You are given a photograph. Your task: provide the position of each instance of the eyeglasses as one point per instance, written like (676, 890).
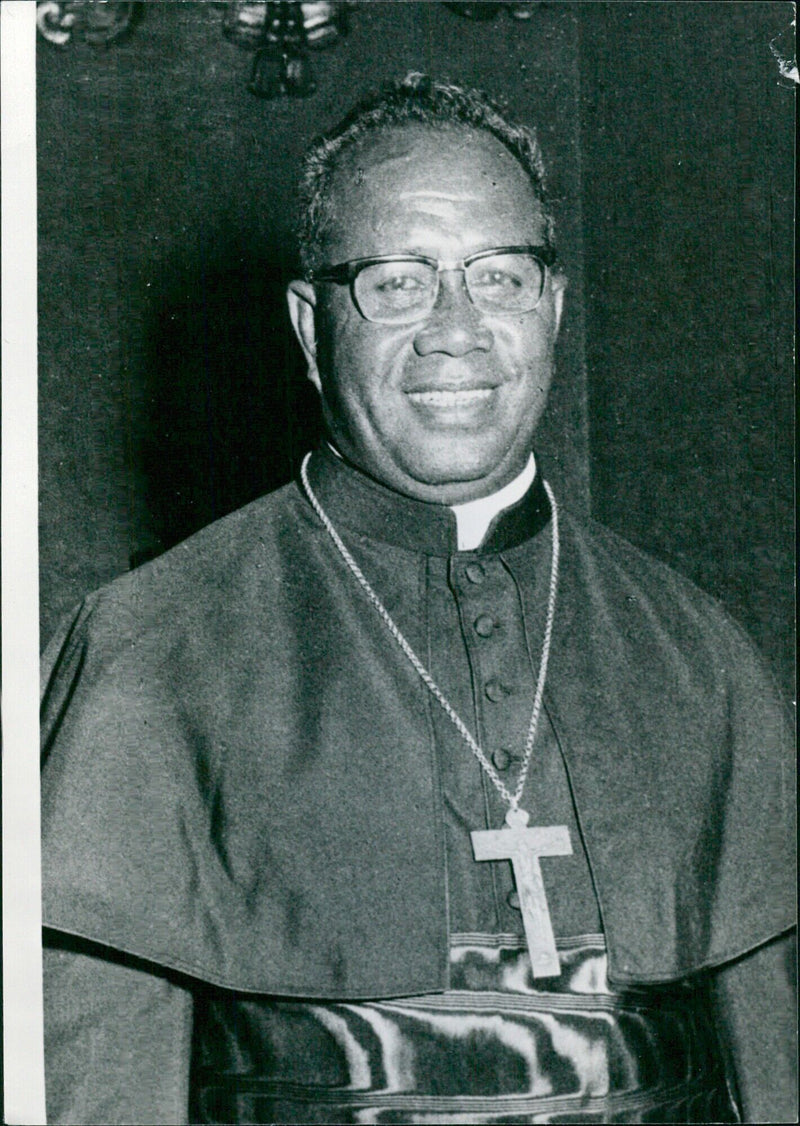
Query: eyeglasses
(399, 289)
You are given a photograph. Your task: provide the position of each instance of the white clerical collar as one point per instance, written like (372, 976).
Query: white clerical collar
(473, 517)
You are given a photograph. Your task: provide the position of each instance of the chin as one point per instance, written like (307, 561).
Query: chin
(447, 475)
(453, 470)
(455, 458)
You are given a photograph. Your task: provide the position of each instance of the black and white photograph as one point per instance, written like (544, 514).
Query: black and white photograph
(415, 562)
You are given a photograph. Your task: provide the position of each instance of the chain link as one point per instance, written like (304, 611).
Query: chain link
(513, 800)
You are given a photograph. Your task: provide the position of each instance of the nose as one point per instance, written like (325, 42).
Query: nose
(455, 326)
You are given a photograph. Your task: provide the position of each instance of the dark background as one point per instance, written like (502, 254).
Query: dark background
(171, 390)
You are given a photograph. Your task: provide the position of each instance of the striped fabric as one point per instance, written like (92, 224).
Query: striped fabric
(497, 1047)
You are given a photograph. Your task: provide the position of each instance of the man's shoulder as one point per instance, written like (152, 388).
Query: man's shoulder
(217, 566)
(620, 561)
(649, 598)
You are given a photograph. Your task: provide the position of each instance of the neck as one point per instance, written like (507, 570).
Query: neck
(514, 513)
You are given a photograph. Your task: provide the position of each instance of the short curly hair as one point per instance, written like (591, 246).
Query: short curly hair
(417, 99)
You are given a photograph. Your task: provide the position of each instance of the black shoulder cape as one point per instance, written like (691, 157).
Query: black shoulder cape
(201, 717)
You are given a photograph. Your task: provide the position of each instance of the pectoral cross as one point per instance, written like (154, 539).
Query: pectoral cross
(523, 847)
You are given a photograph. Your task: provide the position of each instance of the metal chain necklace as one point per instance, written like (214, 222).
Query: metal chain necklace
(516, 842)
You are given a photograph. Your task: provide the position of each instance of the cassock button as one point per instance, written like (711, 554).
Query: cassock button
(512, 899)
(474, 572)
(485, 625)
(502, 759)
(496, 691)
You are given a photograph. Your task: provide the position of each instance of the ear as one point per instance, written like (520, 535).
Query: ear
(559, 282)
(302, 299)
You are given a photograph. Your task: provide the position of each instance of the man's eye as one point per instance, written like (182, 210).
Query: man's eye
(400, 283)
(496, 279)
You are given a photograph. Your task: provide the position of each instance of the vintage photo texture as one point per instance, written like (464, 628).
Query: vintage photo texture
(172, 390)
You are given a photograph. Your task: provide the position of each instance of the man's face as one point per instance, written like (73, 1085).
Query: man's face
(443, 409)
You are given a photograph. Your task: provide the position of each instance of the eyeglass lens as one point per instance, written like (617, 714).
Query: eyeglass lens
(405, 291)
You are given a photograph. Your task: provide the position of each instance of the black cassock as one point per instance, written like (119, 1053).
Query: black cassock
(256, 831)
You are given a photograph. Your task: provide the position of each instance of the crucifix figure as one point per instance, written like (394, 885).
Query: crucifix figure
(523, 847)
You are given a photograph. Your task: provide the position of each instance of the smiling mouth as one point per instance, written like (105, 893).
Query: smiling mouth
(443, 397)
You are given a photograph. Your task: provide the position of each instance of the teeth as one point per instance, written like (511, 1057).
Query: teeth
(451, 398)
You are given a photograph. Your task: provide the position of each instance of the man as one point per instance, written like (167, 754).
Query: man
(398, 795)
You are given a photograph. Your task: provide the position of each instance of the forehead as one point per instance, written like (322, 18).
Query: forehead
(408, 184)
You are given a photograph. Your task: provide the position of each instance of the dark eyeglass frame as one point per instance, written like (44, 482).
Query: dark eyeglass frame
(345, 273)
